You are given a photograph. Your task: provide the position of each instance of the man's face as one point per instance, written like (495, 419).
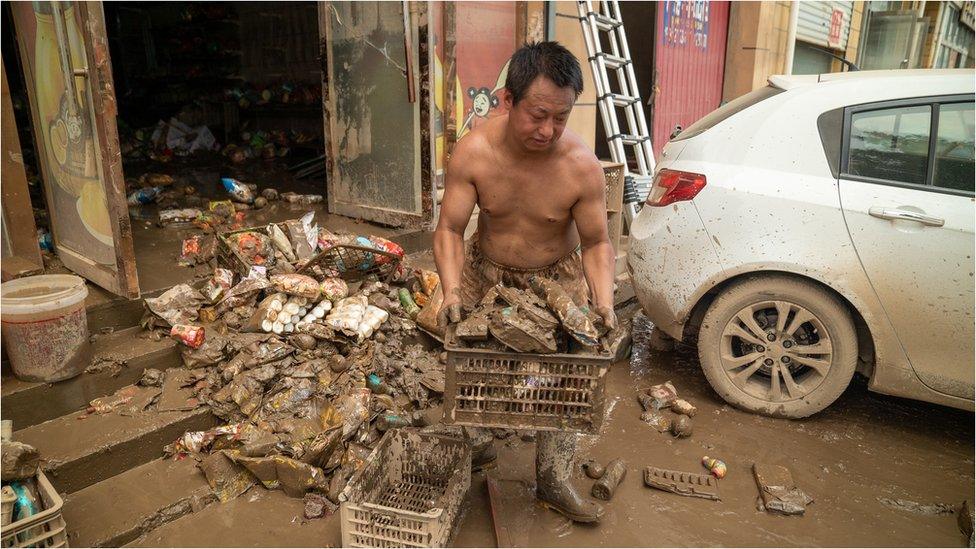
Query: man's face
(538, 120)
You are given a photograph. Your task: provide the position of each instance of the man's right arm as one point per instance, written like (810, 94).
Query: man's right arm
(460, 197)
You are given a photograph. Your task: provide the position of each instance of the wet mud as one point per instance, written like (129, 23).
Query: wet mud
(882, 471)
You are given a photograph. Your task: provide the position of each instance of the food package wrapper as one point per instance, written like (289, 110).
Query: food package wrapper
(178, 305)
(334, 289)
(277, 471)
(385, 245)
(347, 315)
(372, 319)
(280, 241)
(226, 478)
(296, 284)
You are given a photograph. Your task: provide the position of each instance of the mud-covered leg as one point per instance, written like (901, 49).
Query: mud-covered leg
(555, 457)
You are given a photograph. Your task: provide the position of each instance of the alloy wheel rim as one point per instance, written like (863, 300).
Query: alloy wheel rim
(776, 351)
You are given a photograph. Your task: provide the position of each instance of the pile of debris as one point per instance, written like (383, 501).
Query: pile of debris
(656, 400)
(306, 355)
(544, 320)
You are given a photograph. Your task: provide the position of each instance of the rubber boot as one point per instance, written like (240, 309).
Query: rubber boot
(554, 458)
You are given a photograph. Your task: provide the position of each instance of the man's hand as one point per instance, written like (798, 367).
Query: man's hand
(450, 312)
(608, 317)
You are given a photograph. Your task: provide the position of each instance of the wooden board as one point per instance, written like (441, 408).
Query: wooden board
(21, 255)
(510, 500)
(65, 55)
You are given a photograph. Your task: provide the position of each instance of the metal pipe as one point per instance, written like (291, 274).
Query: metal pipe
(791, 36)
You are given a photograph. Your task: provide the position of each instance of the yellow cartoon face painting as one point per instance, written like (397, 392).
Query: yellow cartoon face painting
(54, 50)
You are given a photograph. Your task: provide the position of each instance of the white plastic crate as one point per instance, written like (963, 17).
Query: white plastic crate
(44, 529)
(409, 492)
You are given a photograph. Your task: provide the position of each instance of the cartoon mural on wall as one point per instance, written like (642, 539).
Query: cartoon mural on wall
(63, 124)
(485, 34)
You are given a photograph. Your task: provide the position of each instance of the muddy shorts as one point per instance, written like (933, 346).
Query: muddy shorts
(480, 274)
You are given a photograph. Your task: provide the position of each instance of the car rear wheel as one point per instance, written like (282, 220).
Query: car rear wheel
(778, 346)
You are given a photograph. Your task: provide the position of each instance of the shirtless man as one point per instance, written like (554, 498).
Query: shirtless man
(541, 192)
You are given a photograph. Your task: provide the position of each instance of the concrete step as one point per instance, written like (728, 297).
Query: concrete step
(119, 509)
(77, 452)
(29, 403)
(257, 518)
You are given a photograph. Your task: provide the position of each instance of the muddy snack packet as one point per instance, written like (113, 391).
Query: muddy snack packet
(573, 319)
(521, 334)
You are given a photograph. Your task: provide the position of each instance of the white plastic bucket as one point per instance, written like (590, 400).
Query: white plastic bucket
(45, 327)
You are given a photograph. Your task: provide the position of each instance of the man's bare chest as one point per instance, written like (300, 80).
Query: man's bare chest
(533, 196)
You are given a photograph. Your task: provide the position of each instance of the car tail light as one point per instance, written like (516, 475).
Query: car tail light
(672, 186)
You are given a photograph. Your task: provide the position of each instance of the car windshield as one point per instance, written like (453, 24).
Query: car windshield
(727, 110)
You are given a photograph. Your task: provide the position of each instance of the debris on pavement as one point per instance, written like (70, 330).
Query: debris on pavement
(593, 469)
(605, 487)
(682, 483)
(716, 467)
(129, 400)
(523, 321)
(657, 420)
(307, 364)
(932, 509)
(19, 461)
(658, 398)
(777, 490)
(318, 506)
(227, 479)
(683, 407)
(681, 426)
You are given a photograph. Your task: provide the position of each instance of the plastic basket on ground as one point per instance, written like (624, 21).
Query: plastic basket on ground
(353, 263)
(43, 529)
(409, 492)
(547, 392)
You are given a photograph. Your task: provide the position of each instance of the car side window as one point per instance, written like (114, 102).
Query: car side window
(891, 144)
(955, 146)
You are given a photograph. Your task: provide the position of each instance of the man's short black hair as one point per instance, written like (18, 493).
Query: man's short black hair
(549, 59)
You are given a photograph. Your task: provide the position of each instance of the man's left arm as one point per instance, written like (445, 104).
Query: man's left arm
(590, 215)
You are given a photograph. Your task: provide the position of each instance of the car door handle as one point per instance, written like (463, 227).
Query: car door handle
(907, 215)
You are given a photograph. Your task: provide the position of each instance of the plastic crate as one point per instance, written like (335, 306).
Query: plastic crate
(552, 392)
(45, 529)
(340, 260)
(8, 498)
(409, 492)
(344, 261)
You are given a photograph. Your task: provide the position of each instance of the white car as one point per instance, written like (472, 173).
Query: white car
(814, 228)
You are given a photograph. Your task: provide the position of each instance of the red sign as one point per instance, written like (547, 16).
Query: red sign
(836, 22)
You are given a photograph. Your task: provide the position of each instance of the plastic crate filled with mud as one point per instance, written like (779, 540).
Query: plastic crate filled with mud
(409, 492)
(531, 360)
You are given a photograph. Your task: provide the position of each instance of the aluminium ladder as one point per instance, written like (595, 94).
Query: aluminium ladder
(608, 19)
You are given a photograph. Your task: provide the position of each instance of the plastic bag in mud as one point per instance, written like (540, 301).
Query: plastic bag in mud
(178, 305)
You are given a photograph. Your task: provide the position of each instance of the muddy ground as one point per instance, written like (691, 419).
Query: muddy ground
(854, 459)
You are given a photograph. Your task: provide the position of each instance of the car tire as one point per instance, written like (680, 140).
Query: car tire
(816, 377)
